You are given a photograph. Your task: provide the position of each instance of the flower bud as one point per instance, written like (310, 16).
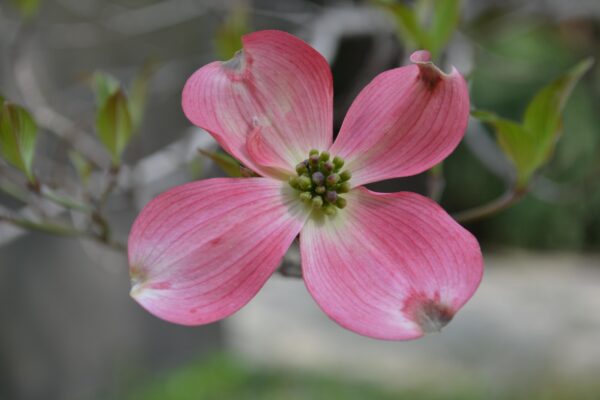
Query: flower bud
(341, 202)
(345, 175)
(293, 181)
(338, 162)
(327, 166)
(304, 183)
(301, 167)
(332, 179)
(318, 178)
(343, 187)
(317, 202)
(331, 196)
(330, 210)
(305, 196)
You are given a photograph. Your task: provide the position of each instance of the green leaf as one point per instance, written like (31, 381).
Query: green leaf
(18, 133)
(28, 8)
(228, 38)
(114, 126)
(138, 95)
(446, 14)
(515, 141)
(543, 117)
(228, 164)
(407, 22)
(530, 144)
(104, 86)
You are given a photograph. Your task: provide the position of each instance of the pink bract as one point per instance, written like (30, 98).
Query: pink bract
(389, 266)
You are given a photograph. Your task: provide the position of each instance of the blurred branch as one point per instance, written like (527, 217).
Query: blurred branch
(63, 201)
(128, 21)
(158, 16)
(327, 30)
(56, 228)
(45, 115)
(503, 202)
(47, 227)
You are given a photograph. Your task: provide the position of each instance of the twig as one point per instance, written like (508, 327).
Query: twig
(111, 184)
(60, 229)
(47, 227)
(501, 203)
(63, 201)
(45, 115)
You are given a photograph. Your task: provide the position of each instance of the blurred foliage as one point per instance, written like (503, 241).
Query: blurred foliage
(18, 135)
(225, 378)
(113, 123)
(104, 86)
(27, 8)
(82, 166)
(119, 115)
(426, 24)
(138, 94)
(515, 57)
(529, 145)
(228, 38)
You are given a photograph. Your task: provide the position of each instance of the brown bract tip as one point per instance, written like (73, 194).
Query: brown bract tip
(432, 317)
(428, 72)
(138, 278)
(236, 63)
(429, 314)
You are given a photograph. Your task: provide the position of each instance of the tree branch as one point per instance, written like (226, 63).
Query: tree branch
(509, 198)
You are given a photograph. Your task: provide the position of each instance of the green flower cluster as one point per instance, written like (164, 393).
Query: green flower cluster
(320, 181)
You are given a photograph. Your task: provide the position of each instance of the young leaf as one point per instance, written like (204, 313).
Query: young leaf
(543, 117)
(227, 163)
(515, 142)
(138, 94)
(113, 122)
(446, 14)
(104, 85)
(407, 22)
(530, 144)
(18, 133)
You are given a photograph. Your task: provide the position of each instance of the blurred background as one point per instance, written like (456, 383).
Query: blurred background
(68, 328)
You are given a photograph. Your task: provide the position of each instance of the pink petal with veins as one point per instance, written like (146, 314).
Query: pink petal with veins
(201, 251)
(390, 266)
(277, 91)
(404, 122)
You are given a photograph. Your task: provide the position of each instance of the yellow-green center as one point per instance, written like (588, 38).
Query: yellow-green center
(320, 181)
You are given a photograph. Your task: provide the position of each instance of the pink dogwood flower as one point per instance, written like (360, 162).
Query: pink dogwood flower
(385, 265)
